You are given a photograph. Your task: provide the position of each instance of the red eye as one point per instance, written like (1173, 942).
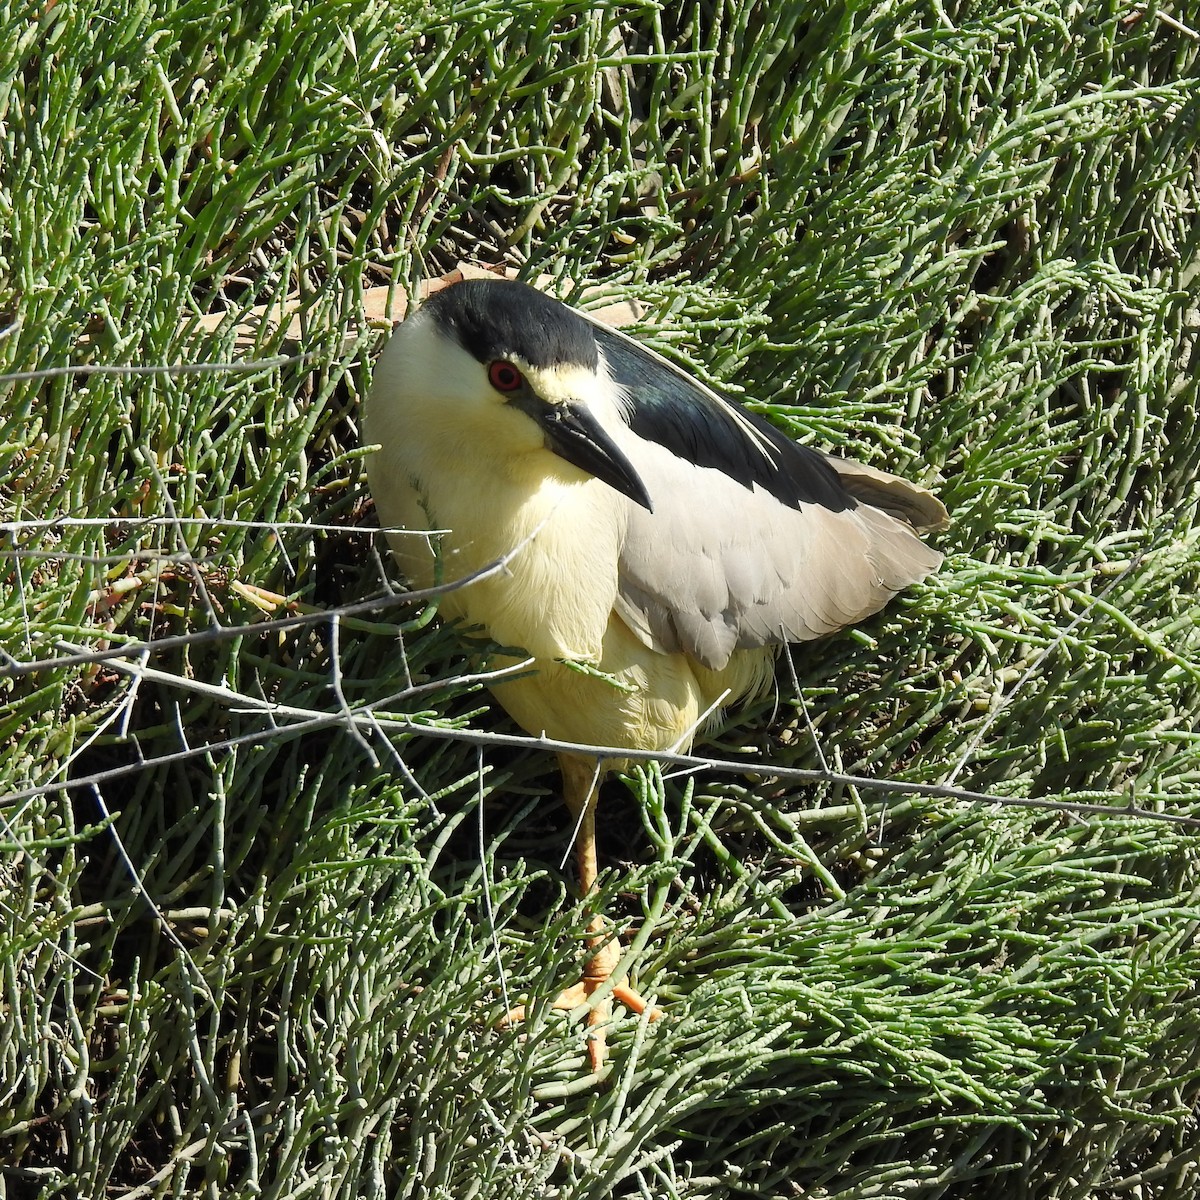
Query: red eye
(504, 377)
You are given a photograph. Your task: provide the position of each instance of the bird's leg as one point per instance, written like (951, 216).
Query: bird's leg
(581, 780)
(581, 787)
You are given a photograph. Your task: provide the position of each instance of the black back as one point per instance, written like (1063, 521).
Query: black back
(671, 409)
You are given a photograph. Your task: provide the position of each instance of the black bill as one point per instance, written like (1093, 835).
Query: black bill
(576, 436)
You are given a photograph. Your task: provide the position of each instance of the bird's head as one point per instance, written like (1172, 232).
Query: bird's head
(500, 363)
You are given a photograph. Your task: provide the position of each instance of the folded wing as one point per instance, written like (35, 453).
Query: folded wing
(754, 539)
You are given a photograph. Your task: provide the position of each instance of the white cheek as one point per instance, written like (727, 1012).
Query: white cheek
(433, 404)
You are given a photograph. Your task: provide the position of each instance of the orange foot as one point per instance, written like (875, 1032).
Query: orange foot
(595, 974)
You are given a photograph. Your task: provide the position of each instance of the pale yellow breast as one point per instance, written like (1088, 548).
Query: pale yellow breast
(562, 534)
(561, 538)
(650, 700)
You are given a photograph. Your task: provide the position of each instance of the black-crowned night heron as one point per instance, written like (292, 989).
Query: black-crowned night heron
(666, 539)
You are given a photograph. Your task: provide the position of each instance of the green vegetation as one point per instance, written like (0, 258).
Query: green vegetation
(263, 951)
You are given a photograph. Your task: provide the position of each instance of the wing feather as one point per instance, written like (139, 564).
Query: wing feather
(754, 539)
(719, 567)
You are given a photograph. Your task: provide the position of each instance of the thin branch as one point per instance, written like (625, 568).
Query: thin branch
(136, 647)
(141, 889)
(295, 721)
(238, 367)
(487, 884)
(135, 522)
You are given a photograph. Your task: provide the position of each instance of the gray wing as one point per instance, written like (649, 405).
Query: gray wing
(719, 566)
(916, 506)
(754, 539)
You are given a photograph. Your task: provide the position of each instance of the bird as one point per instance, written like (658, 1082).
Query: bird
(657, 542)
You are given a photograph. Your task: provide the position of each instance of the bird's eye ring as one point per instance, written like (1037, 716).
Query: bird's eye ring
(504, 377)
